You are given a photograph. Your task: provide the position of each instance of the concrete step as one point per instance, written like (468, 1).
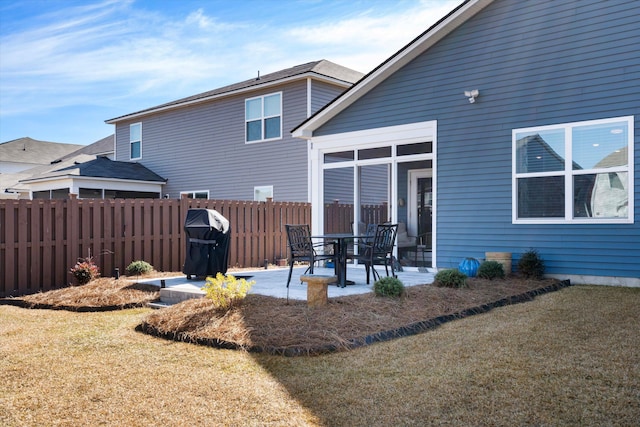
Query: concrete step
(176, 294)
(158, 305)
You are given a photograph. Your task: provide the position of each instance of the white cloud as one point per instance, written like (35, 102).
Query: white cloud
(369, 38)
(107, 52)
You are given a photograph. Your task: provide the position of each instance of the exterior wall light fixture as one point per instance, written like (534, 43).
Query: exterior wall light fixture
(472, 95)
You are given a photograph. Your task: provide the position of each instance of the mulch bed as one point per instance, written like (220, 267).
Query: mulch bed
(275, 326)
(103, 294)
(291, 328)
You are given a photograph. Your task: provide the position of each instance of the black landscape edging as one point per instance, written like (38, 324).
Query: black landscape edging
(404, 331)
(17, 302)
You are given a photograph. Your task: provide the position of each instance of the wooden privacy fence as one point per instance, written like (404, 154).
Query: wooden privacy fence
(338, 217)
(40, 240)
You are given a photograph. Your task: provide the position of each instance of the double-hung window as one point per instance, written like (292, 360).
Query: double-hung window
(263, 117)
(576, 172)
(202, 194)
(135, 141)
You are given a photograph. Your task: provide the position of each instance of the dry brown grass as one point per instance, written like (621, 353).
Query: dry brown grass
(566, 358)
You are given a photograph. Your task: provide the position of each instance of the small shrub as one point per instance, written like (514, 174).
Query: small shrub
(531, 265)
(226, 291)
(136, 268)
(85, 270)
(388, 287)
(491, 270)
(450, 279)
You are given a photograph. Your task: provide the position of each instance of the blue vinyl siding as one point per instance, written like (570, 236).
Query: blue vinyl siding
(535, 63)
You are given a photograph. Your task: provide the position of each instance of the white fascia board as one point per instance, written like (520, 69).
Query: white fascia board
(404, 134)
(122, 183)
(51, 184)
(51, 177)
(244, 90)
(393, 64)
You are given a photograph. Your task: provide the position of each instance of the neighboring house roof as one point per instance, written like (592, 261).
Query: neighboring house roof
(322, 70)
(100, 167)
(102, 147)
(618, 157)
(415, 48)
(27, 150)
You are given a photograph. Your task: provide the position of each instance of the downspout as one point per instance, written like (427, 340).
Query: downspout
(309, 144)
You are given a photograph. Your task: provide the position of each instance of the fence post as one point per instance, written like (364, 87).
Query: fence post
(269, 235)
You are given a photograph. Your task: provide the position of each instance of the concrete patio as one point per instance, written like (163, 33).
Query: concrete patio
(273, 282)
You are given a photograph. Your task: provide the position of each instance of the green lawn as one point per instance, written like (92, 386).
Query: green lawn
(567, 358)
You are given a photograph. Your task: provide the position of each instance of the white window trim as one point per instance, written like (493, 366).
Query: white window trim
(193, 193)
(262, 118)
(265, 187)
(568, 174)
(131, 142)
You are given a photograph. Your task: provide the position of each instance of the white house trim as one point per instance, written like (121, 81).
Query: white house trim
(74, 183)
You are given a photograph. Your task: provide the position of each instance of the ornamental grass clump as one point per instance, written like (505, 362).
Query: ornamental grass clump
(137, 268)
(531, 265)
(226, 291)
(491, 270)
(450, 279)
(388, 287)
(85, 270)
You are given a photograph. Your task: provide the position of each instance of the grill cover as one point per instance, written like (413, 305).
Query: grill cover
(207, 235)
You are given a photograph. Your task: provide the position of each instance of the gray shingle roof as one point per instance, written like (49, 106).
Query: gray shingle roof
(100, 167)
(322, 68)
(27, 150)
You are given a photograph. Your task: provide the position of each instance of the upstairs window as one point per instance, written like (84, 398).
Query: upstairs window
(135, 141)
(576, 172)
(263, 117)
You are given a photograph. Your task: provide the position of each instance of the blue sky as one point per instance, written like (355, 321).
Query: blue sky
(67, 66)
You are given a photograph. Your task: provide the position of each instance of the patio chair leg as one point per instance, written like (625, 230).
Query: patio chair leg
(376, 275)
(290, 273)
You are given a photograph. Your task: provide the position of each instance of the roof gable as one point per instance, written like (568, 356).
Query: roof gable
(462, 13)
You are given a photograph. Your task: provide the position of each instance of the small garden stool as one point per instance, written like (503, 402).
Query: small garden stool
(317, 284)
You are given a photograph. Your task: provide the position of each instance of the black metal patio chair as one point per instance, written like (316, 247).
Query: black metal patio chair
(378, 250)
(302, 249)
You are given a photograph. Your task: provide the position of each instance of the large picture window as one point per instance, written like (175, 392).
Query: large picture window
(135, 141)
(577, 172)
(263, 117)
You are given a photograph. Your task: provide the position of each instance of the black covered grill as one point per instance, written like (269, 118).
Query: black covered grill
(207, 235)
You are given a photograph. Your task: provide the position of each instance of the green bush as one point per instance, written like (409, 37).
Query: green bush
(85, 270)
(491, 270)
(450, 279)
(531, 265)
(136, 268)
(388, 287)
(226, 291)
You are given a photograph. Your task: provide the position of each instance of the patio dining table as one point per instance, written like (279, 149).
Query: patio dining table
(341, 243)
